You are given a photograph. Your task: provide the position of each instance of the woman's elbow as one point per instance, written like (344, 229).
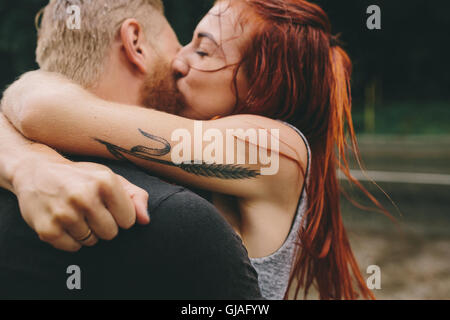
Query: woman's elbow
(20, 103)
(33, 115)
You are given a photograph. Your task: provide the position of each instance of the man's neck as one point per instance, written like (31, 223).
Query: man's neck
(119, 83)
(119, 91)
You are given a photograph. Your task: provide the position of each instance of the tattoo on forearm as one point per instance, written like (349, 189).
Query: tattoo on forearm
(221, 171)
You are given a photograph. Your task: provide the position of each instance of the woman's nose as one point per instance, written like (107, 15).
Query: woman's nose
(180, 68)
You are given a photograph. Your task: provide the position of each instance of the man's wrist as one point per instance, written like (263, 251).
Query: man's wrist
(19, 169)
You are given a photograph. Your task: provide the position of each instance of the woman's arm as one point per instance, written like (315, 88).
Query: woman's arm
(61, 114)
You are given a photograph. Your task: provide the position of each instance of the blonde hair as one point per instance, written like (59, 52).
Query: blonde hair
(80, 54)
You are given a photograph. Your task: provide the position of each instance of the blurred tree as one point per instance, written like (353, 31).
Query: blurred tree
(17, 38)
(184, 15)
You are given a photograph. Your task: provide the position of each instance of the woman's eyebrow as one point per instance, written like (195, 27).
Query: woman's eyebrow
(207, 35)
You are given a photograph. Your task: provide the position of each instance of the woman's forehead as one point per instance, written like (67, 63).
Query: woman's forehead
(222, 21)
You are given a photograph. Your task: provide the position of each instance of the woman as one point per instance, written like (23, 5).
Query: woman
(260, 62)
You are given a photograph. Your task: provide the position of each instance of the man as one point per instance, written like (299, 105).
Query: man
(122, 53)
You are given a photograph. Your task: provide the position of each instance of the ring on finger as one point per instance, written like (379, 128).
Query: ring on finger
(86, 237)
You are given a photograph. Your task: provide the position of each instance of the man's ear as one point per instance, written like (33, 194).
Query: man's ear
(134, 44)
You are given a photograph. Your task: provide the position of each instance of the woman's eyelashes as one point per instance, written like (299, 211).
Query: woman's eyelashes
(201, 53)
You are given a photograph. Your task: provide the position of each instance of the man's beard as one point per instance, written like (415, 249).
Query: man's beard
(160, 91)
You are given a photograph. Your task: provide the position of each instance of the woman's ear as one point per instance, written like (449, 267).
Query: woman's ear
(134, 44)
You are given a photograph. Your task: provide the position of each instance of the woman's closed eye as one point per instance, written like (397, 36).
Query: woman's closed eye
(202, 53)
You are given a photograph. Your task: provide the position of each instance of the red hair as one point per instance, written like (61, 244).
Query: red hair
(297, 73)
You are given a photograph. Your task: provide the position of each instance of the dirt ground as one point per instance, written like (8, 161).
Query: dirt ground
(412, 266)
(414, 259)
(414, 254)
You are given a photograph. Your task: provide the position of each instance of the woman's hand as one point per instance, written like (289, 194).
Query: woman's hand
(66, 202)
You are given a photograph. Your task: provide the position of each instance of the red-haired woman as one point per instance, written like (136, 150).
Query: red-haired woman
(270, 67)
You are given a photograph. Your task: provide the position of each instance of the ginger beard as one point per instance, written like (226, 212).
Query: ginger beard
(159, 90)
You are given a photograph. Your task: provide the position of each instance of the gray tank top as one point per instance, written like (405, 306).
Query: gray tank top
(274, 270)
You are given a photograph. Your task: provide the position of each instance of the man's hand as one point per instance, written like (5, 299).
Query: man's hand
(71, 204)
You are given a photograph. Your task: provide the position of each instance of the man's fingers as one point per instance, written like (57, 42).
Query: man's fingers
(90, 240)
(102, 222)
(119, 203)
(139, 197)
(140, 202)
(142, 214)
(66, 243)
(56, 236)
(81, 232)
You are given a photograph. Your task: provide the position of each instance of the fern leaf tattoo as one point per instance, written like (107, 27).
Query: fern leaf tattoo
(220, 171)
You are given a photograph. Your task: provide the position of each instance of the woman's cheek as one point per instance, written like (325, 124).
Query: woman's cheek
(208, 94)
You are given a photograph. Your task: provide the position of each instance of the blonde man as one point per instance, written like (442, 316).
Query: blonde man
(121, 53)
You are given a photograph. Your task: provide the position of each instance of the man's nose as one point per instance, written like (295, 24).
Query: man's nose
(180, 68)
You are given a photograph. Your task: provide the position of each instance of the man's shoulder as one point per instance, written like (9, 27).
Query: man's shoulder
(172, 202)
(158, 190)
(175, 208)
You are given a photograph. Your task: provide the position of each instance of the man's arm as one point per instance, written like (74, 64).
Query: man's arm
(209, 256)
(16, 150)
(188, 251)
(54, 192)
